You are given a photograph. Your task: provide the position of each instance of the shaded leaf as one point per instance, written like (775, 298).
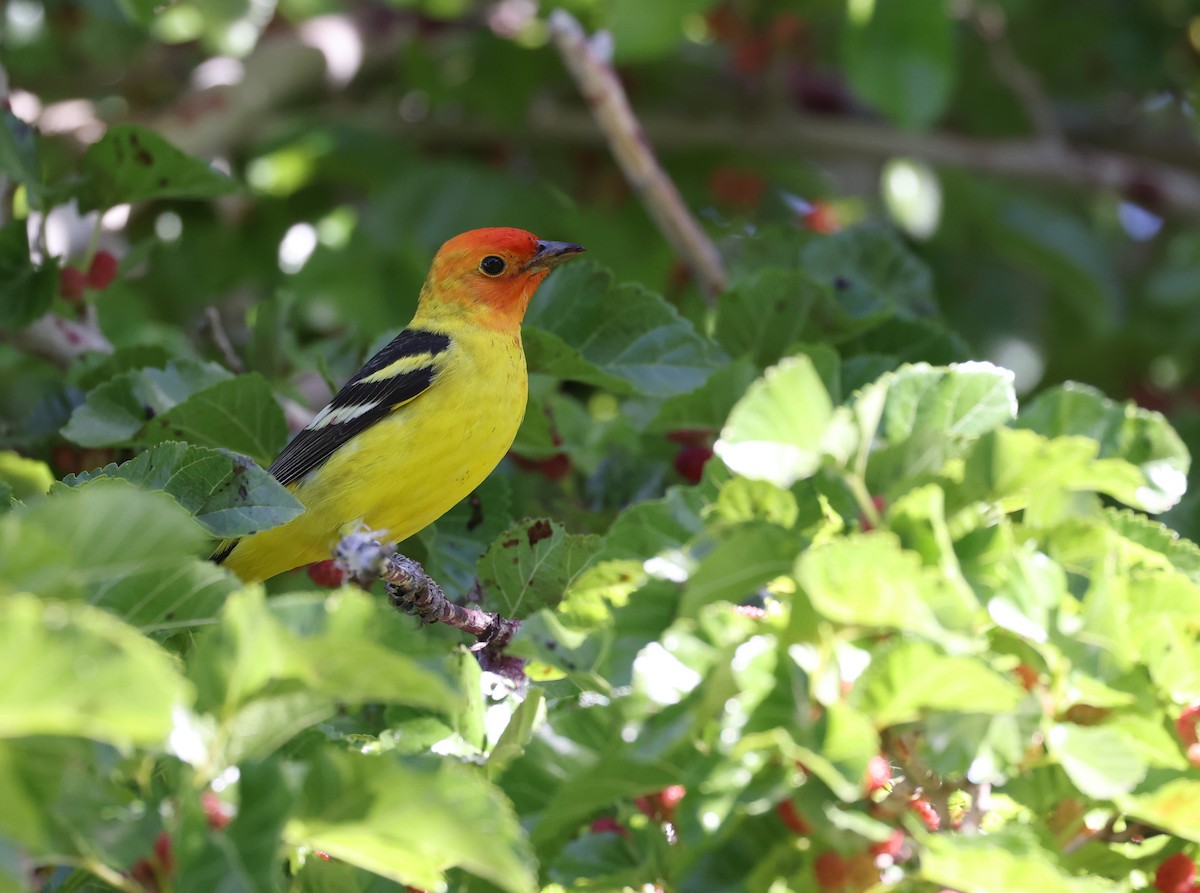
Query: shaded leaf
(532, 565)
(411, 820)
(227, 494)
(131, 163)
(75, 670)
(26, 291)
(1142, 438)
(620, 337)
(900, 56)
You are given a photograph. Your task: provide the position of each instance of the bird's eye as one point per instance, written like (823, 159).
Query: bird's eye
(492, 265)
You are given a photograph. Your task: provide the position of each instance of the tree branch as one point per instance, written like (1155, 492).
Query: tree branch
(609, 105)
(365, 558)
(1167, 188)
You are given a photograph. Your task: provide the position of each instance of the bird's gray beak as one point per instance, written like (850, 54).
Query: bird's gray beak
(551, 254)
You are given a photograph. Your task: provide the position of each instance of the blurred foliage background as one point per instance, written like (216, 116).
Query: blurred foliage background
(1040, 158)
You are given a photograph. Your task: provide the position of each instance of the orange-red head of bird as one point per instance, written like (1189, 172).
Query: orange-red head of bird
(493, 272)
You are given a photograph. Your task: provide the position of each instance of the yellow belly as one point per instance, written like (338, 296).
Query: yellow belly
(409, 469)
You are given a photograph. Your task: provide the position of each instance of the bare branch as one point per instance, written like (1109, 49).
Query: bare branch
(220, 340)
(606, 98)
(991, 25)
(1171, 188)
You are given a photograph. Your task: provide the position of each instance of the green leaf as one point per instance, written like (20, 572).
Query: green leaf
(19, 156)
(900, 56)
(244, 856)
(134, 164)
(904, 681)
(238, 414)
(873, 275)
(76, 776)
(196, 402)
(456, 542)
(1003, 862)
(411, 820)
(112, 545)
(622, 338)
(1174, 807)
(26, 291)
(529, 714)
(868, 579)
(1063, 249)
(742, 561)
(25, 478)
(532, 565)
(644, 32)
(334, 657)
(1141, 437)
(72, 669)
(117, 410)
(777, 432)
(1101, 761)
(919, 417)
(227, 494)
(764, 314)
(707, 407)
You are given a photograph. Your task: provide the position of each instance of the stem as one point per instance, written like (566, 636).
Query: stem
(613, 115)
(862, 496)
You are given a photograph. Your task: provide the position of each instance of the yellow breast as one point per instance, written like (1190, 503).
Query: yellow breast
(410, 468)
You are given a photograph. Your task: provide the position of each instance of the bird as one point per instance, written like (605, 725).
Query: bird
(425, 420)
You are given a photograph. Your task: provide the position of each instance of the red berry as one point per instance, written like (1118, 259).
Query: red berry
(71, 283)
(737, 189)
(890, 847)
(879, 774)
(326, 573)
(660, 806)
(864, 522)
(143, 872)
(1188, 725)
(325, 857)
(607, 824)
(102, 271)
(1027, 675)
(928, 814)
(162, 852)
(790, 816)
(1193, 754)
(1176, 874)
(821, 218)
(832, 870)
(554, 468)
(690, 460)
(671, 795)
(216, 813)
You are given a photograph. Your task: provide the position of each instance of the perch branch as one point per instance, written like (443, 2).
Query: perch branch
(412, 591)
(610, 106)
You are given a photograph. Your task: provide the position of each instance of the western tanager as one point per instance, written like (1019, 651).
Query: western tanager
(427, 418)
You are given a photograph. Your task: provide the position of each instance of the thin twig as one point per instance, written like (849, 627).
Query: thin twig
(991, 25)
(609, 105)
(220, 340)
